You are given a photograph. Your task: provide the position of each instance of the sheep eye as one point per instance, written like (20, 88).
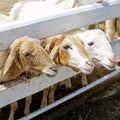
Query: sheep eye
(67, 47)
(27, 54)
(90, 43)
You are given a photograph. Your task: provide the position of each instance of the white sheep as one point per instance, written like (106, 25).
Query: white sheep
(25, 55)
(32, 9)
(96, 42)
(26, 10)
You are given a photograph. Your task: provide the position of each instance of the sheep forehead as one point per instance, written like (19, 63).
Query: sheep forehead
(98, 37)
(68, 40)
(31, 45)
(76, 46)
(101, 44)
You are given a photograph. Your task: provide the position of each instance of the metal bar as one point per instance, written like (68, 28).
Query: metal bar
(68, 97)
(18, 89)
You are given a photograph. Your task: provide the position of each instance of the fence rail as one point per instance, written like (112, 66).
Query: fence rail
(59, 23)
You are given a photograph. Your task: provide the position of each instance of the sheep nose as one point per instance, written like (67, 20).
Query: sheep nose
(112, 60)
(54, 68)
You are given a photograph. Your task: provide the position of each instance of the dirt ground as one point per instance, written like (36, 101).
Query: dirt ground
(100, 103)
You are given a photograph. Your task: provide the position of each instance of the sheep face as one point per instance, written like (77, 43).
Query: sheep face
(68, 51)
(96, 42)
(28, 54)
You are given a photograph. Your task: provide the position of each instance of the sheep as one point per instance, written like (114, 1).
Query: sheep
(96, 43)
(113, 28)
(25, 55)
(21, 9)
(68, 51)
(26, 10)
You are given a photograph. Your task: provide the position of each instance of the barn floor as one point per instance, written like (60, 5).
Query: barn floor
(100, 103)
(105, 109)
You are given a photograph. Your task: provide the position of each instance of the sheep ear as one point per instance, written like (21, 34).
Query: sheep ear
(52, 47)
(12, 55)
(54, 52)
(8, 63)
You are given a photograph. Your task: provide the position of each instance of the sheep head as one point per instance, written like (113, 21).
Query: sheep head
(67, 50)
(97, 43)
(28, 55)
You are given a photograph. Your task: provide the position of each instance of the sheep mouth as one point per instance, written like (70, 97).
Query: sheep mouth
(51, 72)
(86, 71)
(97, 62)
(51, 76)
(109, 67)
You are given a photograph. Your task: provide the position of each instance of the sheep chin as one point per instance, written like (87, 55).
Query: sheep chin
(51, 76)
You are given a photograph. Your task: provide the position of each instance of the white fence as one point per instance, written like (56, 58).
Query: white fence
(40, 28)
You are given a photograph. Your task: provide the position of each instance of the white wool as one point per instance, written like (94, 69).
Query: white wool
(32, 9)
(4, 19)
(25, 10)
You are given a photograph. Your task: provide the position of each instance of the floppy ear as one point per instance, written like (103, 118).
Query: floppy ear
(14, 48)
(52, 47)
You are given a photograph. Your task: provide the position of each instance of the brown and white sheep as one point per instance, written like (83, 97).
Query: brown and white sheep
(25, 55)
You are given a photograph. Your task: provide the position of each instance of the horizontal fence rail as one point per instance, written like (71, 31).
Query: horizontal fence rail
(21, 89)
(60, 22)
